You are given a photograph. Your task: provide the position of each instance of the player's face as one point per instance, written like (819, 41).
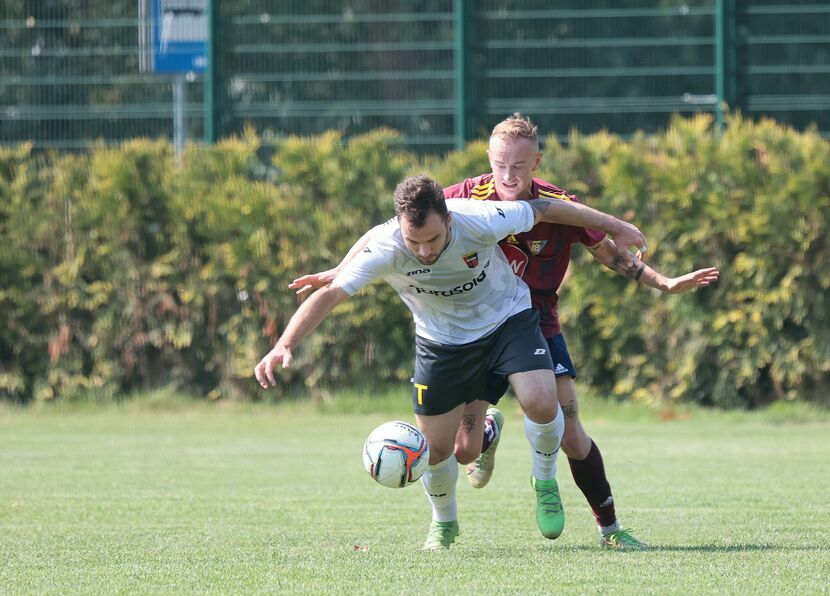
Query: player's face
(513, 162)
(429, 241)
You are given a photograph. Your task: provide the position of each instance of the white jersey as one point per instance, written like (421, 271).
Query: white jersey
(470, 290)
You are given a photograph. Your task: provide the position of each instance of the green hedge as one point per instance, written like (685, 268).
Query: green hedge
(126, 269)
(755, 203)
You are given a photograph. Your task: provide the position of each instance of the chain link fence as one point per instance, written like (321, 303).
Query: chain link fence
(439, 71)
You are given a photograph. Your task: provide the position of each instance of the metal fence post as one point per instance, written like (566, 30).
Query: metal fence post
(213, 74)
(463, 73)
(725, 63)
(179, 107)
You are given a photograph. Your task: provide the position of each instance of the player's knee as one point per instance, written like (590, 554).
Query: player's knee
(467, 448)
(575, 442)
(542, 408)
(437, 454)
(466, 454)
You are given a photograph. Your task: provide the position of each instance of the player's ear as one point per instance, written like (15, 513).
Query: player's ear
(538, 160)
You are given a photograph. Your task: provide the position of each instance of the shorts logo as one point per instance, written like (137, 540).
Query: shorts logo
(540, 352)
(536, 246)
(471, 259)
(560, 370)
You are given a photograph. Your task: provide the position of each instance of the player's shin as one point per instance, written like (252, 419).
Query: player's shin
(589, 476)
(439, 484)
(544, 442)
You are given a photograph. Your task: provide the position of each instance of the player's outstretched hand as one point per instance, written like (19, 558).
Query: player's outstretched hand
(264, 371)
(312, 281)
(691, 281)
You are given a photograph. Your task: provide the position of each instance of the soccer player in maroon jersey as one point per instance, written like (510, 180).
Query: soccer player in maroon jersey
(540, 257)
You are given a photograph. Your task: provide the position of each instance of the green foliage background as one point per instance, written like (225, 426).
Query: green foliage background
(125, 269)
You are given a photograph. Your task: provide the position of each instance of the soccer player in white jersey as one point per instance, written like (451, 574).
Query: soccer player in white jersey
(473, 318)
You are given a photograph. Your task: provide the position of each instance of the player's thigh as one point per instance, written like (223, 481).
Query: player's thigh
(447, 376)
(440, 431)
(536, 392)
(470, 435)
(521, 354)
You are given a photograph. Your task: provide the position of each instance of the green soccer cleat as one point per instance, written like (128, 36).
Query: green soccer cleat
(621, 540)
(441, 535)
(550, 515)
(481, 470)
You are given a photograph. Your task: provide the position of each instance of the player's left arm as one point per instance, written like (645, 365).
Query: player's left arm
(630, 266)
(311, 313)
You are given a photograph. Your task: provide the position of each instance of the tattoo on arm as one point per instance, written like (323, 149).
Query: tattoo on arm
(539, 207)
(625, 264)
(632, 270)
(617, 264)
(569, 410)
(467, 422)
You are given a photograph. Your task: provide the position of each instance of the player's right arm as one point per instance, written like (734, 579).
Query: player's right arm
(312, 281)
(632, 267)
(311, 313)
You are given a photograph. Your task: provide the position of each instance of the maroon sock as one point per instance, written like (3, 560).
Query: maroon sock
(589, 475)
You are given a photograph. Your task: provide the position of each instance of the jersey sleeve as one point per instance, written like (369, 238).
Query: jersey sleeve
(370, 264)
(573, 234)
(461, 190)
(589, 237)
(586, 236)
(494, 220)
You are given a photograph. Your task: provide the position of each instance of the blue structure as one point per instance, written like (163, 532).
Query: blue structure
(179, 36)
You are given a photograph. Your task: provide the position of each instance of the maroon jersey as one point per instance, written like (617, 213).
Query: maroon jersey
(540, 257)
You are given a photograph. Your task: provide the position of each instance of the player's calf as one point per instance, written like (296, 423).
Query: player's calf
(481, 470)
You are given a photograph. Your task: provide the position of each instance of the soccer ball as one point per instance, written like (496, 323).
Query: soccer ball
(396, 454)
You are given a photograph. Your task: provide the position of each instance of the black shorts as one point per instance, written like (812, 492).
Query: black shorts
(562, 363)
(447, 376)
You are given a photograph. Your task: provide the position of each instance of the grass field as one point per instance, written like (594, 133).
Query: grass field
(158, 497)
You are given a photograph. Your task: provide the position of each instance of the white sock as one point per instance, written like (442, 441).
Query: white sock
(544, 442)
(615, 527)
(439, 483)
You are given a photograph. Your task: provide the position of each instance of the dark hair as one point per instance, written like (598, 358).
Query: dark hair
(418, 196)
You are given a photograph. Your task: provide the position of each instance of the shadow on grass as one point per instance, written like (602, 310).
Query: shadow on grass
(735, 548)
(713, 548)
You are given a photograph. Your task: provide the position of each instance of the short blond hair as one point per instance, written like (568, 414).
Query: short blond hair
(514, 127)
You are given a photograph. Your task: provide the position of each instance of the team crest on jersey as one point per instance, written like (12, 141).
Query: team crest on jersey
(536, 246)
(471, 259)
